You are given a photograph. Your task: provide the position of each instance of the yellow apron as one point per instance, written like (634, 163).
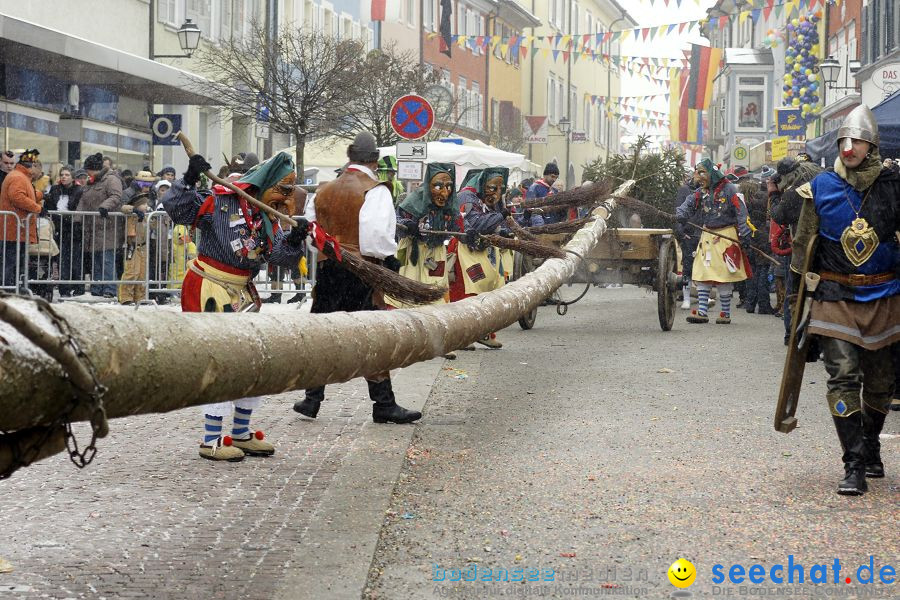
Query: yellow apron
(419, 271)
(480, 275)
(710, 263)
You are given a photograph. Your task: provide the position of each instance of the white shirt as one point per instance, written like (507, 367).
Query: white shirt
(377, 219)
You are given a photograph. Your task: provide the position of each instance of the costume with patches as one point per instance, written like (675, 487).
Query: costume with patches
(855, 311)
(236, 239)
(480, 268)
(423, 257)
(718, 261)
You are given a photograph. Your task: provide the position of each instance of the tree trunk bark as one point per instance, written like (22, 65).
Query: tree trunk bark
(158, 361)
(299, 158)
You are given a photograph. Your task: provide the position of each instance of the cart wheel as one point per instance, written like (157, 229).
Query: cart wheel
(521, 266)
(666, 284)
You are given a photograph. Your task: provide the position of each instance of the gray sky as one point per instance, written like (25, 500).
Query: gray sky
(649, 14)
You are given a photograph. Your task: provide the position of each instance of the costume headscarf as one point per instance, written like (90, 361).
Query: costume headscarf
(265, 175)
(476, 179)
(419, 204)
(715, 175)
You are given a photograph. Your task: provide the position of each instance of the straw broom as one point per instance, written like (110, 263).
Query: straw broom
(564, 227)
(531, 248)
(579, 196)
(393, 284)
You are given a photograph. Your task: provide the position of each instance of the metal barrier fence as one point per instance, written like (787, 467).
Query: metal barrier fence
(11, 257)
(118, 257)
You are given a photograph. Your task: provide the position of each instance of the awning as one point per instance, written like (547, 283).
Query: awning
(75, 59)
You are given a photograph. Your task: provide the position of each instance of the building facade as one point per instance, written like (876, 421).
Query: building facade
(880, 52)
(564, 89)
(844, 45)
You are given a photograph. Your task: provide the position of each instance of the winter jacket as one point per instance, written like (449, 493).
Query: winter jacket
(104, 191)
(780, 239)
(19, 196)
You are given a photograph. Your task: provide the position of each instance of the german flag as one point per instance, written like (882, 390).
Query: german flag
(705, 63)
(685, 124)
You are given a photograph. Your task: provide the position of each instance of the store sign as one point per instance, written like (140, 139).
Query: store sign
(789, 122)
(779, 148)
(164, 127)
(887, 78)
(579, 137)
(536, 129)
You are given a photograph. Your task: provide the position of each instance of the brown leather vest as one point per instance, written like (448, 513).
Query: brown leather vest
(338, 204)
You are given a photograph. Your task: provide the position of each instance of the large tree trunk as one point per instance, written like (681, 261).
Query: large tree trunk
(299, 158)
(158, 361)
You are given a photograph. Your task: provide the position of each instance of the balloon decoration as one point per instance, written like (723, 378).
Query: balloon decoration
(801, 64)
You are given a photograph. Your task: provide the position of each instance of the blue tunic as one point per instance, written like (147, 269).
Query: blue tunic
(833, 198)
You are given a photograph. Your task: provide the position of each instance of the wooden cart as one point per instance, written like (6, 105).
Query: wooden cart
(644, 257)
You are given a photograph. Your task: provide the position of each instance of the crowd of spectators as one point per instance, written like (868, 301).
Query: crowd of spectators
(92, 244)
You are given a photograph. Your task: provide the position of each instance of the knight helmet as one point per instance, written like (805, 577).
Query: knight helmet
(860, 124)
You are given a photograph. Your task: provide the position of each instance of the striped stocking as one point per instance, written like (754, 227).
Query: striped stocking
(703, 298)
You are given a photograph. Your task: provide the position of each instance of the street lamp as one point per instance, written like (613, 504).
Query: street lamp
(564, 125)
(188, 38)
(831, 69)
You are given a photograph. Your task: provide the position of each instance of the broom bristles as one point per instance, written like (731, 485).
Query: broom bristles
(579, 196)
(403, 289)
(520, 231)
(531, 248)
(564, 227)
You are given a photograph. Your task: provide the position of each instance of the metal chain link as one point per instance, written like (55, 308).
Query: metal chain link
(90, 399)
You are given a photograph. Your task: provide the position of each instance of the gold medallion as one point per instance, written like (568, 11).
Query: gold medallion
(859, 241)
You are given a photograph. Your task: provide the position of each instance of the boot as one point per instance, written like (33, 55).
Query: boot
(872, 422)
(850, 433)
(686, 303)
(386, 409)
(309, 406)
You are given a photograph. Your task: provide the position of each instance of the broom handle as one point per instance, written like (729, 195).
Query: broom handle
(189, 149)
(730, 239)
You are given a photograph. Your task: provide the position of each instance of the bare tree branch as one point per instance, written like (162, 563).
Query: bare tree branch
(305, 80)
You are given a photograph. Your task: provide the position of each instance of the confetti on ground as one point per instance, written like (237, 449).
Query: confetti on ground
(408, 515)
(567, 554)
(5, 566)
(665, 370)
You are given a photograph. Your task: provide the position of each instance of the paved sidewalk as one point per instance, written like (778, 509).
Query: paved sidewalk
(150, 519)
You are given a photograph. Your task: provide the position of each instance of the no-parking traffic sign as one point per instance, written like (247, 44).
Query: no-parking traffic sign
(412, 117)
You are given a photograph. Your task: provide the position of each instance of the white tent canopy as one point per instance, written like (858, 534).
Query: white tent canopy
(473, 154)
(329, 153)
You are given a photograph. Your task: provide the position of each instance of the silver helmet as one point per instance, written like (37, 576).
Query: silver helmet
(860, 124)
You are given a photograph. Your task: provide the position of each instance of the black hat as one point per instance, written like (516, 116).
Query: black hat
(786, 165)
(166, 169)
(551, 169)
(94, 162)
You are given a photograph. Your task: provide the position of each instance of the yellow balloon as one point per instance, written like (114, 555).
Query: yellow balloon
(795, 102)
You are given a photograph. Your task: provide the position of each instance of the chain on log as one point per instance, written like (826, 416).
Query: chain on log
(159, 361)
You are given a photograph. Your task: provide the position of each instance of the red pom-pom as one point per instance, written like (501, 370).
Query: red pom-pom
(259, 435)
(723, 315)
(226, 440)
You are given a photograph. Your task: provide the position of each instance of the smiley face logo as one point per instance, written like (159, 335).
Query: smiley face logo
(682, 573)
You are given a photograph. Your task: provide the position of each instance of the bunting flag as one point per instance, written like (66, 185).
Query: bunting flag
(446, 11)
(378, 9)
(685, 123)
(705, 63)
